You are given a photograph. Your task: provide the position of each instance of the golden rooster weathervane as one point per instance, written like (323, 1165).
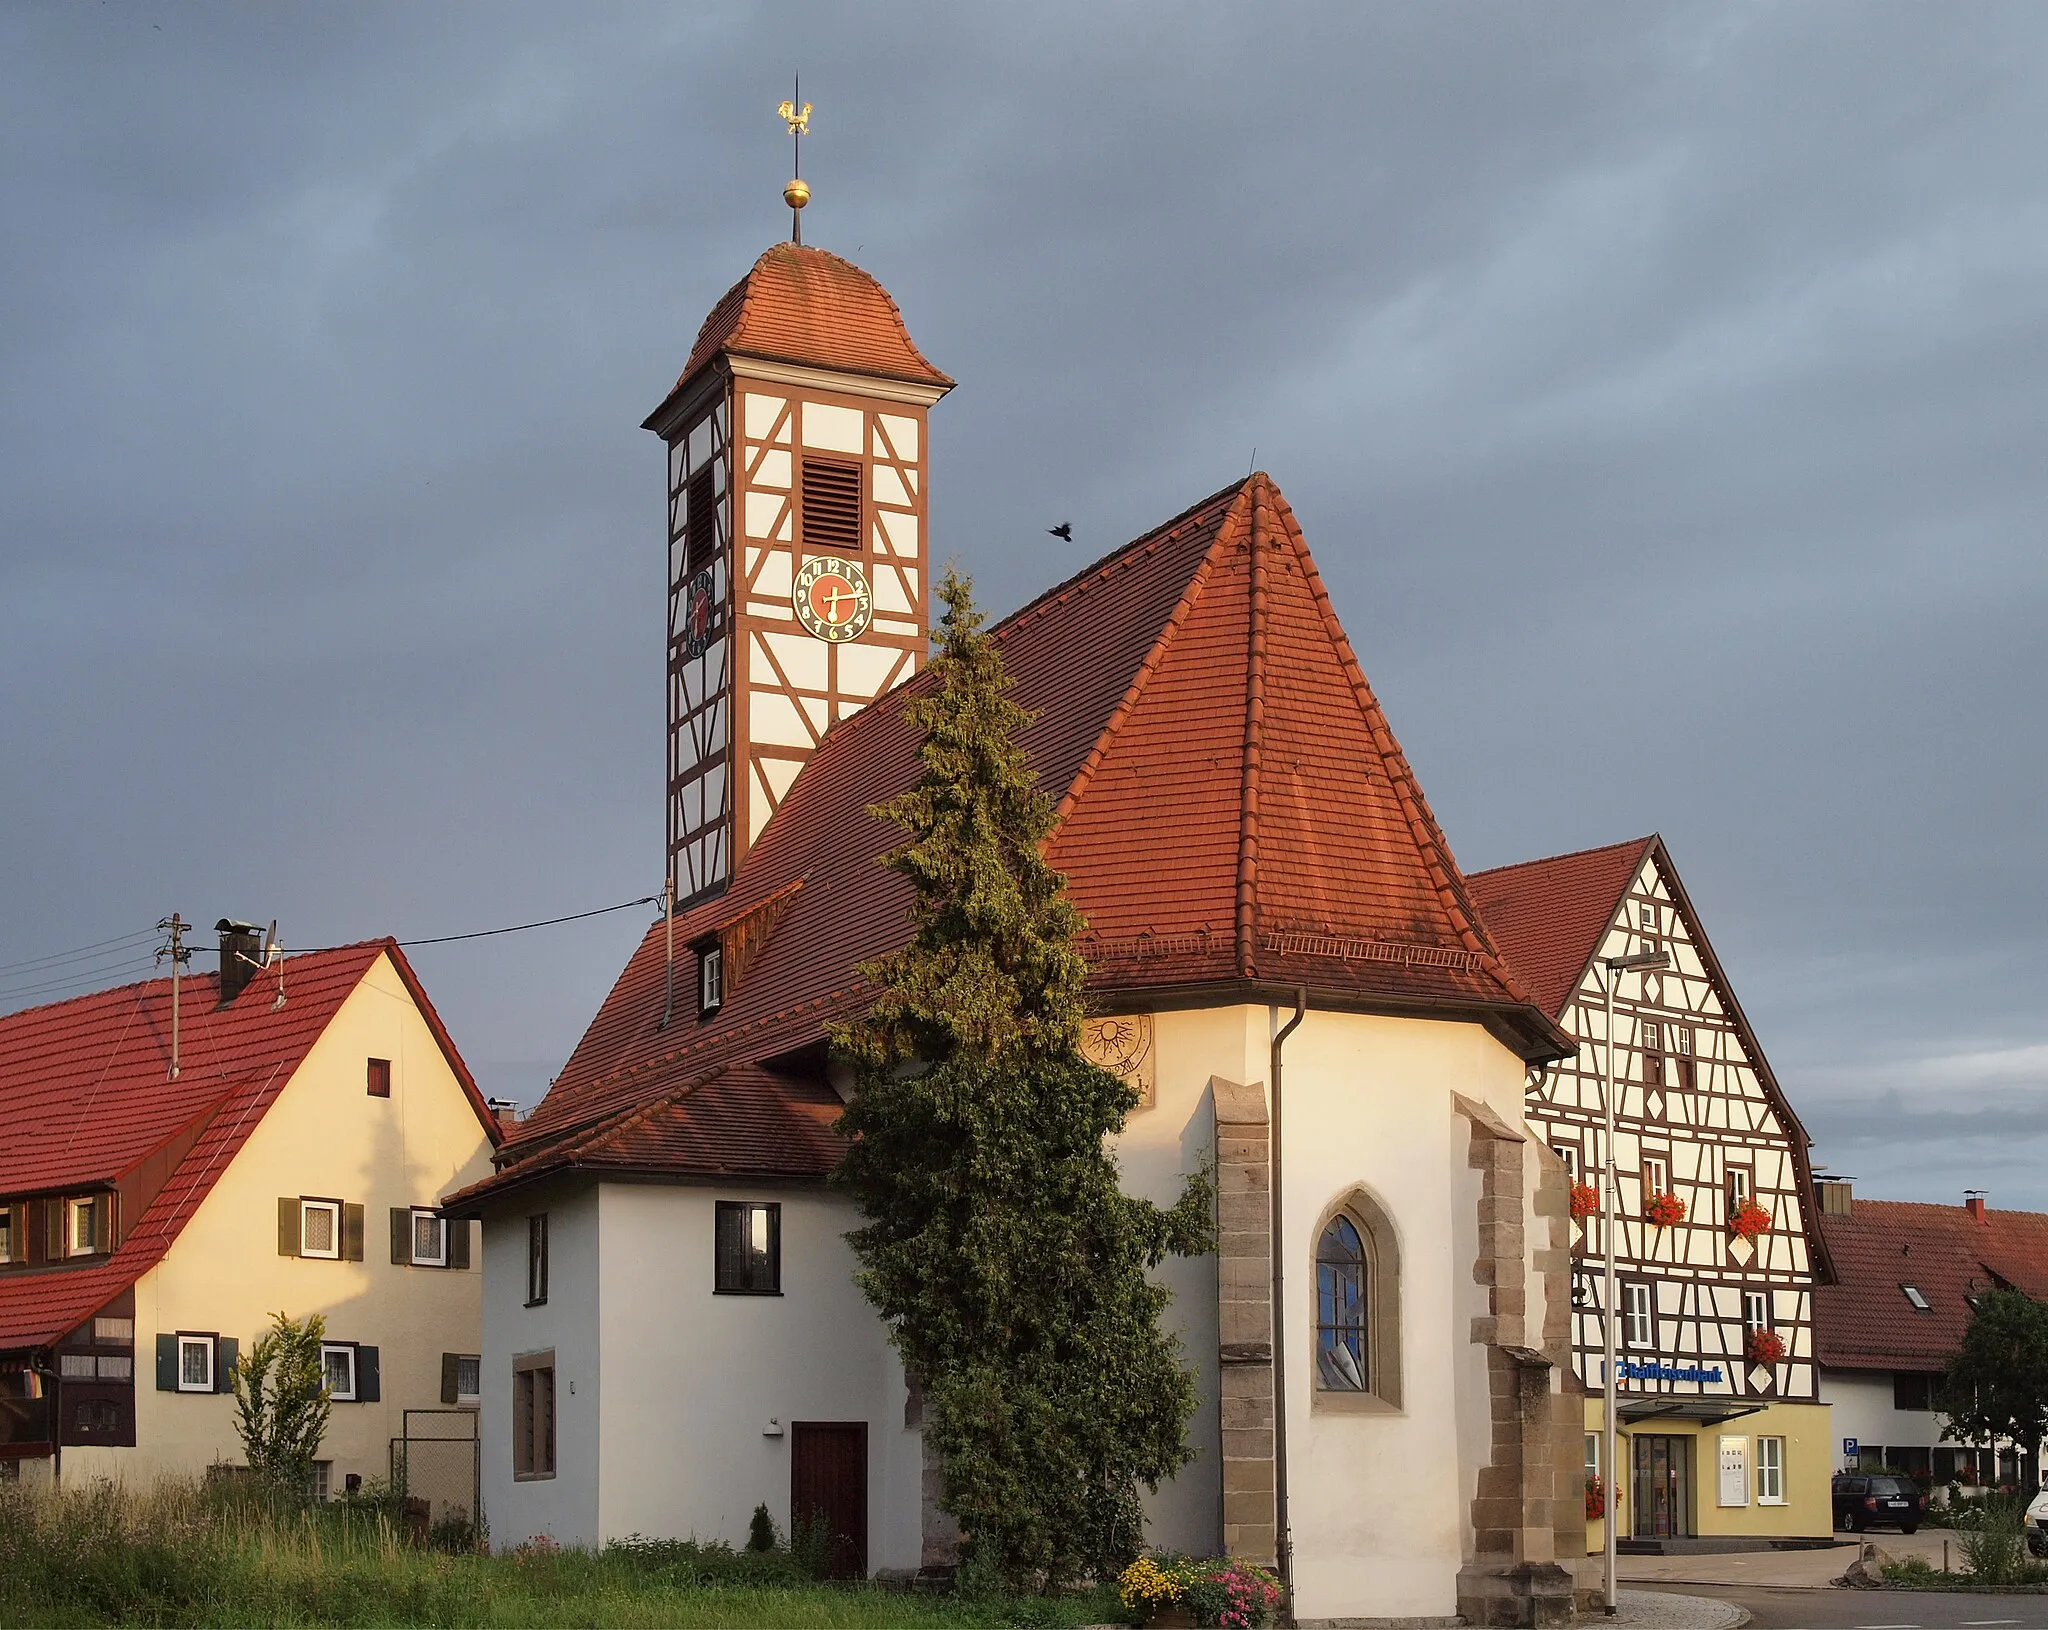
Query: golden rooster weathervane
(796, 113)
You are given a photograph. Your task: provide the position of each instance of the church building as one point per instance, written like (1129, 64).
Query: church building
(1286, 961)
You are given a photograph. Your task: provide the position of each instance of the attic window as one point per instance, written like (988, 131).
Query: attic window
(1916, 1299)
(710, 979)
(831, 505)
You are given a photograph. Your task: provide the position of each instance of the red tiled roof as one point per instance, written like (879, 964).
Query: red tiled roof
(1549, 916)
(89, 1103)
(1234, 808)
(810, 307)
(1863, 1321)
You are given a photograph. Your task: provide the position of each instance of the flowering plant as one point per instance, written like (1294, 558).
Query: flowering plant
(1585, 1201)
(1748, 1220)
(1764, 1347)
(1213, 1590)
(1664, 1210)
(1596, 1498)
(533, 1548)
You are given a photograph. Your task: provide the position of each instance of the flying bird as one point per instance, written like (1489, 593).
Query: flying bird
(1064, 531)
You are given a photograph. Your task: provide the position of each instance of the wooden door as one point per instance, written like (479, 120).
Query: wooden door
(828, 1484)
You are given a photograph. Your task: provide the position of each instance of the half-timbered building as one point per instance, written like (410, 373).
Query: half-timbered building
(1724, 1429)
(672, 1329)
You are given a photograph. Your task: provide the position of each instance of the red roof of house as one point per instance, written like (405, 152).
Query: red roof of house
(810, 307)
(1549, 916)
(1864, 1322)
(1236, 812)
(89, 1103)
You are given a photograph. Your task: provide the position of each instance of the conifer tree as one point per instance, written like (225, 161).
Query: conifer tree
(998, 1245)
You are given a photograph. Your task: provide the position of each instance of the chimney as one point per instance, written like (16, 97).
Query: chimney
(1836, 1195)
(241, 953)
(1973, 1202)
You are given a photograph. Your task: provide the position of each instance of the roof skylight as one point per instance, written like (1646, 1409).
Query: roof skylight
(1917, 1298)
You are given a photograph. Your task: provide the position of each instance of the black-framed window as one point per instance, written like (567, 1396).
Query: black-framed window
(749, 1248)
(1913, 1390)
(536, 1259)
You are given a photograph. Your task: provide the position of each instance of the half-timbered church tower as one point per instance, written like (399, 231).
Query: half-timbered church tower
(1723, 1429)
(796, 540)
(1381, 1344)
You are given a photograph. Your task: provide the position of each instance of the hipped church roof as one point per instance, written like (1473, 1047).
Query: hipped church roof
(1237, 820)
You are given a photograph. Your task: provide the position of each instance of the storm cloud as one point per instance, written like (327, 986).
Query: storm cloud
(1661, 390)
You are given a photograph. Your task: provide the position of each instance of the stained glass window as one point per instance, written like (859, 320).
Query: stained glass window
(1341, 1364)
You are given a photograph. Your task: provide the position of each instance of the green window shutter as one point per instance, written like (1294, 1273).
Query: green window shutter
(351, 1233)
(226, 1349)
(166, 1363)
(449, 1378)
(401, 1235)
(287, 1225)
(458, 1243)
(368, 1388)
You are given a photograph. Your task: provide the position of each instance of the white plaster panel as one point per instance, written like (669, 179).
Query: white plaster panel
(758, 806)
(802, 659)
(760, 412)
(832, 429)
(778, 773)
(902, 434)
(772, 719)
(889, 594)
(887, 486)
(900, 530)
(773, 470)
(776, 576)
(763, 510)
(865, 669)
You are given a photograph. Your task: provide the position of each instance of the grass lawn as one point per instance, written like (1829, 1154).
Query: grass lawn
(183, 1555)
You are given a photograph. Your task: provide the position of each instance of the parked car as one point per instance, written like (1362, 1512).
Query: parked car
(1876, 1500)
(2037, 1524)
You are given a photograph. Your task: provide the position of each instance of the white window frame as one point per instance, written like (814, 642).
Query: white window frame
(711, 979)
(1741, 1188)
(1758, 1298)
(1916, 1298)
(427, 1214)
(74, 1209)
(1770, 1471)
(1569, 1154)
(1593, 1447)
(1631, 1291)
(201, 1344)
(476, 1394)
(1662, 1165)
(329, 1349)
(320, 1480)
(333, 1209)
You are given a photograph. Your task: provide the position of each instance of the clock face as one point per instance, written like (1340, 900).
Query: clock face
(831, 599)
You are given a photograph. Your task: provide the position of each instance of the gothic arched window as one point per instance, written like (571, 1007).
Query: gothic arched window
(1343, 1358)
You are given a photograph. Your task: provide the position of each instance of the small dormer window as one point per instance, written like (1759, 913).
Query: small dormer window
(1917, 1299)
(710, 980)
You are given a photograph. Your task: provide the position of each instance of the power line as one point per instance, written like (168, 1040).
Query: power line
(79, 951)
(488, 933)
(88, 979)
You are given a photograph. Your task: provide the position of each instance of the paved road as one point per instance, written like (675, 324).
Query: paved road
(1875, 1609)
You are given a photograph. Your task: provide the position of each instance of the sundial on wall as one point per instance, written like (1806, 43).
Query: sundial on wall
(1121, 1043)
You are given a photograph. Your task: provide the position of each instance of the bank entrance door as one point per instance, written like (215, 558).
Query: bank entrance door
(1663, 1486)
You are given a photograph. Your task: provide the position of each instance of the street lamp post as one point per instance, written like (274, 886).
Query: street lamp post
(1610, 1204)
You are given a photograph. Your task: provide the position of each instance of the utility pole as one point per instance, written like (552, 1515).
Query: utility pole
(668, 918)
(175, 926)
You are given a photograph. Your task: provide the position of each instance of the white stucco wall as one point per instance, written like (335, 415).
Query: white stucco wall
(693, 1379)
(563, 1507)
(324, 1135)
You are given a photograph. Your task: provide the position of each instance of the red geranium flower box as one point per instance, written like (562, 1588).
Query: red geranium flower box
(1664, 1210)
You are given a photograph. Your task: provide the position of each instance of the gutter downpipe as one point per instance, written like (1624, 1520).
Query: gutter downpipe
(1283, 1544)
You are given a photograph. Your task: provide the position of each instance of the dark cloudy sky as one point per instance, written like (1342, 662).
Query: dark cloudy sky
(1661, 388)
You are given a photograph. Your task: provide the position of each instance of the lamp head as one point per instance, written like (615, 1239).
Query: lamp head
(1639, 962)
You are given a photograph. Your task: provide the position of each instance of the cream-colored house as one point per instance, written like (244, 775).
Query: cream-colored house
(157, 1207)
(1286, 964)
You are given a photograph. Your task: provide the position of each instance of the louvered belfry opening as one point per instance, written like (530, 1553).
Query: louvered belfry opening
(831, 504)
(700, 521)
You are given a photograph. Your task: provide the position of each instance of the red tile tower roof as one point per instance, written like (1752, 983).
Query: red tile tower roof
(1864, 1322)
(89, 1103)
(807, 306)
(1236, 817)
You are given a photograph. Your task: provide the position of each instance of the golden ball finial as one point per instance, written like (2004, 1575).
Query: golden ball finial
(796, 194)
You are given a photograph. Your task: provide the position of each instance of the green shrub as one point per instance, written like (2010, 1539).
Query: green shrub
(761, 1530)
(1994, 1542)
